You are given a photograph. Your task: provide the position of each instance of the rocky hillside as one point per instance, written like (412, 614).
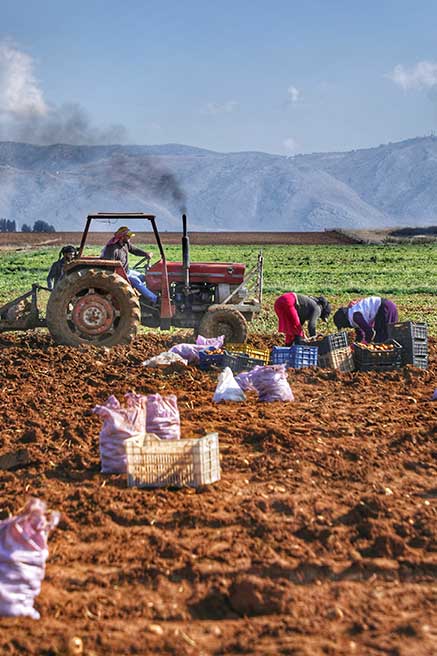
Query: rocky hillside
(390, 185)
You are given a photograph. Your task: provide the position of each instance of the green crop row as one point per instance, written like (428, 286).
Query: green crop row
(404, 273)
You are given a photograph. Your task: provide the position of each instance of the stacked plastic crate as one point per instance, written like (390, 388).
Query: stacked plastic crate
(413, 338)
(335, 353)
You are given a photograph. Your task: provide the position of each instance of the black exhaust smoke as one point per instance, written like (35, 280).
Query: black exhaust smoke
(147, 175)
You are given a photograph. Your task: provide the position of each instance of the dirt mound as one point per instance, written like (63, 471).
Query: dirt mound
(319, 539)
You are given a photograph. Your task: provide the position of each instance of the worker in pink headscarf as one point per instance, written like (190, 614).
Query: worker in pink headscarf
(118, 248)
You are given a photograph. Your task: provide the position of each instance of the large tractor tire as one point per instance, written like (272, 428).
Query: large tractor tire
(220, 321)
(93, 306)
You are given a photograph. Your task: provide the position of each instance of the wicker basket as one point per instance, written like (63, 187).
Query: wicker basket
(152, 462)
(341, 359)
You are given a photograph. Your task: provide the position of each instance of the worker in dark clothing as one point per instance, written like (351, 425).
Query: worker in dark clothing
(369, 316)
(118, 248)
(294, 310)
(66, 255)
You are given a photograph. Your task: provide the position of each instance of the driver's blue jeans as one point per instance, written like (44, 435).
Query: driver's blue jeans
(137, 281)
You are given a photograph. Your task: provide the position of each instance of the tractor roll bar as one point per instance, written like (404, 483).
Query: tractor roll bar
(166, 307)
(118, 215)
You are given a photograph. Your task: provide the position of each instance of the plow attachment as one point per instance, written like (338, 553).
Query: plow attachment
(22, 313)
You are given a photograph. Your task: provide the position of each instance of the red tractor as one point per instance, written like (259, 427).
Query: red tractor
(95, 303)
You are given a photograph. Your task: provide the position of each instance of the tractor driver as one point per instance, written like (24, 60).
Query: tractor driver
(66, 255)
(118, 248)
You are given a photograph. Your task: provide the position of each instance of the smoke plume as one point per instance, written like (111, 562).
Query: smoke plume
(26, 116)
(67, 124)
(20, 95)
(139, 174)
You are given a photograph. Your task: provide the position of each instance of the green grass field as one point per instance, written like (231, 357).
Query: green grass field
(407, 274)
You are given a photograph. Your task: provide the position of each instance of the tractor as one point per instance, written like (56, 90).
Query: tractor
(94, 302)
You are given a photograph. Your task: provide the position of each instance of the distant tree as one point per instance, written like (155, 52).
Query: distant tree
(43, 226)
(7, 226)
(26, 228)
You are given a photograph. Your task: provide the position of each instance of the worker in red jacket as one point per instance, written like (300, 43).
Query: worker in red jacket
(294, 310)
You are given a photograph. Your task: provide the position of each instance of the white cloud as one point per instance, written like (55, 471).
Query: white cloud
(293, 94)
(20, 94)
(290, 145)
(221, 108)
(421, 76)
(25, 115)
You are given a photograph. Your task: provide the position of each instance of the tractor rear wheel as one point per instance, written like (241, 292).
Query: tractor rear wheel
(93, 306)
(228, 322)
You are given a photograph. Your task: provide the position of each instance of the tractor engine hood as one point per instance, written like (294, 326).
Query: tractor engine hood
(214, 273)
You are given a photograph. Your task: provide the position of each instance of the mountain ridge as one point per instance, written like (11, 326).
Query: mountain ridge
(388, 185)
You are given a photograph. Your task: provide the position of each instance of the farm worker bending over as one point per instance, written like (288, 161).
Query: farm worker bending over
(66, 254)
(369, 316)
(118, 248)
(293, 310)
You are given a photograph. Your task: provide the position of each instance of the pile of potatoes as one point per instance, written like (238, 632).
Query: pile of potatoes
(377, 347)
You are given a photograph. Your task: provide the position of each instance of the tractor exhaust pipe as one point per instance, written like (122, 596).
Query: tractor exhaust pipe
(185, 254)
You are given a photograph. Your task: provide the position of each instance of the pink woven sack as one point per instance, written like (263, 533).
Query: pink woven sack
(23, 554)
(271, 383)
(163, 416)
(119, 423)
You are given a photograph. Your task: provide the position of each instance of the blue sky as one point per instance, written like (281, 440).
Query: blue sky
(281, 76)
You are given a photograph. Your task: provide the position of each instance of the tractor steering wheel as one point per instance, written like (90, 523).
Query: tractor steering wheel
(143, 262)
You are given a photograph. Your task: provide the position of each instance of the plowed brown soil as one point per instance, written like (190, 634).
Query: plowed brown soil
(319, 539)
(38, 240)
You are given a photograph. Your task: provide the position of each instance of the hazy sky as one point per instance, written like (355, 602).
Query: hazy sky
(280, 76)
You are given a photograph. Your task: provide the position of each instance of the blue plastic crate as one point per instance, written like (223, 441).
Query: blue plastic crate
(303, 356)
(297, 356)
(208, 360)
(280, 355)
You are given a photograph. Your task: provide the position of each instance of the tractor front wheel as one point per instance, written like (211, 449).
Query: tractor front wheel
(228, 322)
(93, 307)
